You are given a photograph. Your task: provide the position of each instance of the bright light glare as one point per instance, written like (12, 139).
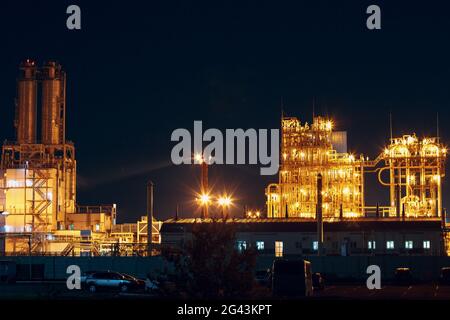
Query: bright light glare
(198, 157)
(224, 201)
(204, 199)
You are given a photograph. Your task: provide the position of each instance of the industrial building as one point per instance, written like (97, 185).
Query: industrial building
(318, 205)
(39, 213)
(294, 236)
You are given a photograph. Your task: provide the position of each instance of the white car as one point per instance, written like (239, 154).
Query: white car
(112, 280)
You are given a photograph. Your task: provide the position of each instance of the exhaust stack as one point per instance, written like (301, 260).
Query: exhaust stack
(53, 104)
(26, 103)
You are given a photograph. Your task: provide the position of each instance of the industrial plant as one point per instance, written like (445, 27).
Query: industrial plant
(39, 213)
(317, 206)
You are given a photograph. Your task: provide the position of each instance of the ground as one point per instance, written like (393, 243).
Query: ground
(58, 290)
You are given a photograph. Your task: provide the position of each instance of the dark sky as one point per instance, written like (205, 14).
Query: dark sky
(140, 69)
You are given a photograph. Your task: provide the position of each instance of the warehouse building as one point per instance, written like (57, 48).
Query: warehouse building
(284, 237)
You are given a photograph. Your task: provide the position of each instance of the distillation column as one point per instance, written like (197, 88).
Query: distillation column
(26, 103)
(53, 100)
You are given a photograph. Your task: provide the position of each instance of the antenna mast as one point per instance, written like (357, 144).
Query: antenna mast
(390, 123)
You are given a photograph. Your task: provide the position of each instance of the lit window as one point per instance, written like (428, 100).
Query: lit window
(260, 245)
(315, 245)
(97, 227)
(390, 244)
(408, 244)
(241, 245)
(427, 244)
(371, 245)
(278, 248)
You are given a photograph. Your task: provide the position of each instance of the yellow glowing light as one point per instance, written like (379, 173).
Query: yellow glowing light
(329, 125)
(351, 157)
(346, 190)
(224, 201)
(204, 199)
(437, 178)
(199, 158)
(410, 140)
(351, 214)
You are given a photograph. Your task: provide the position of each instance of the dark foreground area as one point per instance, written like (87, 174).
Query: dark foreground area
(44, 290)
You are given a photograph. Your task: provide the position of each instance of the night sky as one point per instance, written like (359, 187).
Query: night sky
(137, 70)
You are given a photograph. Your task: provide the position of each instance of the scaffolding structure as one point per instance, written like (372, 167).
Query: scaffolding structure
(39, 214)
(415, 170)
(307, 150)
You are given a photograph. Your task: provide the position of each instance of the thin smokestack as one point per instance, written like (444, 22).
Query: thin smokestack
(26, 104)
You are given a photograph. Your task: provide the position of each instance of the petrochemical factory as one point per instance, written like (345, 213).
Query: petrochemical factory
(317, 206)
(39, 213)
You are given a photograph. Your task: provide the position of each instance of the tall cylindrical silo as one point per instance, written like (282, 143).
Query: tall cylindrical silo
(26, 103)
(52, 103)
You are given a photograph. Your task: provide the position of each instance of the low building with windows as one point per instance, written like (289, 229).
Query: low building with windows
(346, 237)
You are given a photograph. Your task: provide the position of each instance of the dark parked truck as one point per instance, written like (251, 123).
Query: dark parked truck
(291, 278)
(7, 271)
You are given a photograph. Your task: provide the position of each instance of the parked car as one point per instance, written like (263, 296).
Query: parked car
(86, 274)
(318, 281)
(263, 277)
(291, 278)
(444, 277)
(140, 284)
(113, 280)
(403, 276)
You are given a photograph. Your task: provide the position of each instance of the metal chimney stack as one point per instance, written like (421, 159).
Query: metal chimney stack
(26, 103)
(319, 215)
(150, 187)
(53, 104)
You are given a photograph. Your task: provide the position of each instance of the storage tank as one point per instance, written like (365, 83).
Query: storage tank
(52, 103)
(26, 103)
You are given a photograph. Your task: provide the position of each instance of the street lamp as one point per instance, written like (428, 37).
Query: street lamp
(204, 199)
(224, 202)
(204, 188)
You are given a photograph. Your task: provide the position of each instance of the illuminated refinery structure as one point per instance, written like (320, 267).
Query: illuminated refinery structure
(39, 213)
(306, 151)
(318, 205)
(320, 191)
(415, 170)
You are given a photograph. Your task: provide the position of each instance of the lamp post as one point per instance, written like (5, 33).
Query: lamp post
(204, 201)
(204, 182)
(224, 202)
